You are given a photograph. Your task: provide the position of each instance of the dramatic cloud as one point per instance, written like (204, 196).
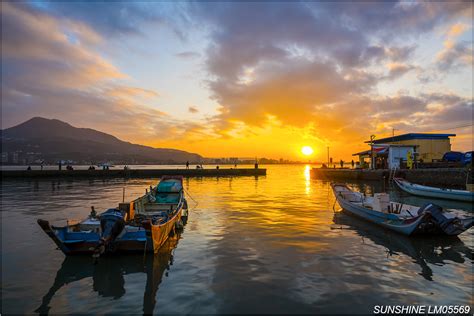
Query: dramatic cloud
(50, 69)
(326, 72)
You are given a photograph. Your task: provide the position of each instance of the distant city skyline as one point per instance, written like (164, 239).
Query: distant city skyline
(242, 79)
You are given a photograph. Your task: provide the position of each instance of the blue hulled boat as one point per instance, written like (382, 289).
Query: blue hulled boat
(142, 225)
(97, 234)
(402, 218)
(439, 193)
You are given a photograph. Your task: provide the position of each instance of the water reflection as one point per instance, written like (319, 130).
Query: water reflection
(307, 178)
(108, 274)
(436, 250)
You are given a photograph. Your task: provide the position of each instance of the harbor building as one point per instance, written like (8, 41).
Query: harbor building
(402, 150)
(386, 156)
(429, 147)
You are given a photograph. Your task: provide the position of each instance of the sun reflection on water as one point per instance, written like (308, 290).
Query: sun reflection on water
(307, 177)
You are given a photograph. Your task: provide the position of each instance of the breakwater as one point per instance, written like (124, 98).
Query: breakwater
(449, 177)
(132, 173)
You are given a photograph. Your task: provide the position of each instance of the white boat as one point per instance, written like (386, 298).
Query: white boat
(403, 218)
(423, 190)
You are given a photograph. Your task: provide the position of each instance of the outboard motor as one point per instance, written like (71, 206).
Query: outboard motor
(111, 223)
(450, 226)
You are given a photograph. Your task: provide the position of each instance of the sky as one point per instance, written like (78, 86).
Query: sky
(242, 79)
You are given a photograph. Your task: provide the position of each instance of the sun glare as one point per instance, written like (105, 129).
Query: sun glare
(306, 150)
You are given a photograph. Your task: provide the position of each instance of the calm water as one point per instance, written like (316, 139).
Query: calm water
(270, 244)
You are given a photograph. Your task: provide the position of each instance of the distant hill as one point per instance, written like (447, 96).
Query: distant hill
(52, 140)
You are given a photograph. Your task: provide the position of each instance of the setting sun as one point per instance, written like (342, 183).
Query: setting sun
(306, 150)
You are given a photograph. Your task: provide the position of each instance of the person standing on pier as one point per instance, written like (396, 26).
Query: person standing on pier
(187, 164)
(342, 163)
(352, 163)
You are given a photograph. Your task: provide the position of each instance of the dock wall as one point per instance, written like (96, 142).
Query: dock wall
(455, 177)
(132, 173)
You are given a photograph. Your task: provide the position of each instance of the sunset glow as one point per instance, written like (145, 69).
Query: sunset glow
(214, 79)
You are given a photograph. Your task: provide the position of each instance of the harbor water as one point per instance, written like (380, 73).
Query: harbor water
(270, 244)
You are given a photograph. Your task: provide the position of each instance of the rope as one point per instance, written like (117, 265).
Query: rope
(188, 194)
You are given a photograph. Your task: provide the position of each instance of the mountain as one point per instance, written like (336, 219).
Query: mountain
(52, 140)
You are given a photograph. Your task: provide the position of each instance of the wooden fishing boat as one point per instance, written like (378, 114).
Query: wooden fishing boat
(143, 225)
(402, 218)
(422, 190)
(160, 210)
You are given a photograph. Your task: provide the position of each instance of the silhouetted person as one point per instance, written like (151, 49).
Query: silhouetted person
(352, 163)
(187, 164)
(256, 165)
(59, 166)
(29, 168)
(342, 164)
(235, 166)
(41, 166)
(217, 167)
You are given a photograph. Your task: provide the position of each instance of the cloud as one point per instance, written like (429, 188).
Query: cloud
(455, 56)
(48, 74)
(193, 109)
(457, 29)
(119, 18)
(188, 55)
(397, 70)
(294, 60)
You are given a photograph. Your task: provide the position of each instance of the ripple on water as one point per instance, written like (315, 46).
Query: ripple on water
(269, 244)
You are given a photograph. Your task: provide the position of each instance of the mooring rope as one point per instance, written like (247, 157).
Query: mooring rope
(188, 194)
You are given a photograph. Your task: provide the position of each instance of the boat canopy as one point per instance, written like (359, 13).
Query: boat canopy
(169, 186)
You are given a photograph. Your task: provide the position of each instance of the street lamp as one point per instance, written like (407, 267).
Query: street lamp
(372, 157)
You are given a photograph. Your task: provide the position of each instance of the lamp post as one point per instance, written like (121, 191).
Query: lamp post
(372, 158)
(328, 156)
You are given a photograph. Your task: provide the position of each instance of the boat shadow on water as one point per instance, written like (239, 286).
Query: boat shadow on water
(424, 250)
(108, 274)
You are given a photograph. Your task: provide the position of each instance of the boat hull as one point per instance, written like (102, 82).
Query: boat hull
(420, 190)
(150, 239)
(408, 228)
(76, 243)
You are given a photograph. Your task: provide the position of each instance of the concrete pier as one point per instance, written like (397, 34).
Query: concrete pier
(446, 177)
(132, 173)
